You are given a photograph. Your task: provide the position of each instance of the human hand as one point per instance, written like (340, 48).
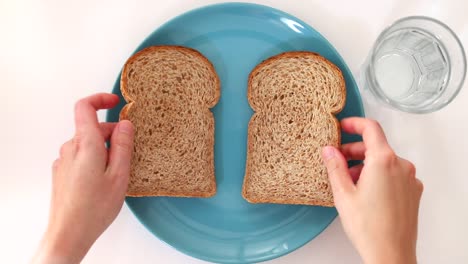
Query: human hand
(380, 212)
(89, 183)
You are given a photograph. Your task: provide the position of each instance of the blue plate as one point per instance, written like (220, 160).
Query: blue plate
(235, 37)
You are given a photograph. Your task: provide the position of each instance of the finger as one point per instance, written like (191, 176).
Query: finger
(85, 109)
(354, 151)
(121, 149)
(107, 129)
(408, 167)
(371, 131)
(55, 166)
(420, 187)
(338, 173)
(67, 149)
(355, 172)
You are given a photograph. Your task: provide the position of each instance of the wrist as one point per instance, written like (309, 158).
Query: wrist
(390, 257)
(45, 256)
(391, 261)
(60, 248)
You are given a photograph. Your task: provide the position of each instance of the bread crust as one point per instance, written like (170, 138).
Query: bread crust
(251, 134)
(151, 49)
(124, 114)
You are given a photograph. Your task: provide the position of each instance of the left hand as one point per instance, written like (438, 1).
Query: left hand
(89, 183)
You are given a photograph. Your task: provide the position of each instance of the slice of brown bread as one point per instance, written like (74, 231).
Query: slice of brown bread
(169, 90)
(294, 96)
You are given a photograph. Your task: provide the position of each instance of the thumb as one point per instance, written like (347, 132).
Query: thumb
(121, 148)
(338, 173)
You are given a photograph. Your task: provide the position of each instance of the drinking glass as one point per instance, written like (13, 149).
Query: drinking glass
(416, 65)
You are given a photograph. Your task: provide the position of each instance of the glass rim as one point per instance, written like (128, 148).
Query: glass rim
(395, 104)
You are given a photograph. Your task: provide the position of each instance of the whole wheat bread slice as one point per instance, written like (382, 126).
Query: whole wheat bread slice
(294, 96)
(169, 90)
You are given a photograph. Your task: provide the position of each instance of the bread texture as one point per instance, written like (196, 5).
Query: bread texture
(169, 91)
(295, 96)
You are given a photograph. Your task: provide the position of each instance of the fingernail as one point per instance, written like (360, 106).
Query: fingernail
(328, 152)
(125, 127)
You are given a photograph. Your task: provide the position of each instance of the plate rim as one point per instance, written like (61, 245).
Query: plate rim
(203, 8)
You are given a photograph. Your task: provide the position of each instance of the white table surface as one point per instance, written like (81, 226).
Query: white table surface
(54, 52)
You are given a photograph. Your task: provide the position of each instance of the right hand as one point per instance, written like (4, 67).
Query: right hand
(378, 202)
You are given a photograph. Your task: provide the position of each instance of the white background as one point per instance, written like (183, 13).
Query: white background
(54, 52)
